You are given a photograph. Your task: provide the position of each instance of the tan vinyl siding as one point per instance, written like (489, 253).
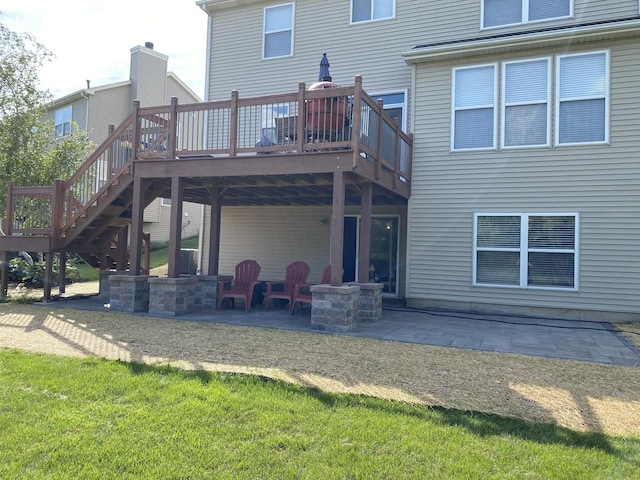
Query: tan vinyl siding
(107, 107)
(147, 68)
(277, 236)
(157, 220)
(597, 182)
(274, 237)
(372, 50)
(175, 89)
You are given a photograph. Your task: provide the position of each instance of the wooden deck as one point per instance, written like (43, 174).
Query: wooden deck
(286, 149)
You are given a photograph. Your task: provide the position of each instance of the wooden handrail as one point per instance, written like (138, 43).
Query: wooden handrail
(228, 128)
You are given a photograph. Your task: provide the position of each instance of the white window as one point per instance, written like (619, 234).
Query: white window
(395, 105)
(497, 13)
(582, 110)
(278, 31)
(165, 202)
(526, 250)
(62, 121)
(581, 103)
(474, 107)
(368, 10)
(525, 103)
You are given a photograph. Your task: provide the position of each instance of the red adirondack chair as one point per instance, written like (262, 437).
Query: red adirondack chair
(302, 293)
(297, 272)
(242, 285)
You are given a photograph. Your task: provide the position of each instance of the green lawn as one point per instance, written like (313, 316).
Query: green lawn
(91, 418)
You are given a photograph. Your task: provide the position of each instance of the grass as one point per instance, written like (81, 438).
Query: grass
(92, 418)
(157, 259)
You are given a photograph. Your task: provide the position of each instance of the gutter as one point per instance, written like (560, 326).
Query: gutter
(548, 37)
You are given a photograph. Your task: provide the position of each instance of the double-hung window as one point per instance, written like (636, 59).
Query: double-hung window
(582, 100)
(526, 250)
(496, 13)
(525, 103)
(474, 107)
(368, 10)
(62, 121)
(278, 31)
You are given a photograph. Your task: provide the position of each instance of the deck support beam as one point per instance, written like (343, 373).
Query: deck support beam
(365, 233)
(214, 232)
(136, 226)
(337, 229)
(175, 234)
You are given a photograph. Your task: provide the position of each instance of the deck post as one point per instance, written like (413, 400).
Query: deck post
(365, 233)
(57, 211)
(355, 120)
(173, 129)
(233, 125)
(4, 273)
(396, 153)
(175, 227)
(302, 117)
(8, 222)
(337, 228)
(214, 232)
(62, 272)
(135, 136)
(136, 226)
(48, 276)
(379, 111)
(111, 154)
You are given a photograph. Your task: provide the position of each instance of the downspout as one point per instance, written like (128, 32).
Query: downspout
(204, 137)
(414, 81)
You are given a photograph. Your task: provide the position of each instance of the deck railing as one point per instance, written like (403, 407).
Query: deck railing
(302, 122)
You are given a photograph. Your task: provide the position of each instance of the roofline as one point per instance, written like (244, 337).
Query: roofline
(88, 91)
(547, 37)
(185, 86)
(211, 5)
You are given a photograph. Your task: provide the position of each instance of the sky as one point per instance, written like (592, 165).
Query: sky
(92, 39)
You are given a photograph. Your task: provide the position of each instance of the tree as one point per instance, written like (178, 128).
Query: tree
(30, 152)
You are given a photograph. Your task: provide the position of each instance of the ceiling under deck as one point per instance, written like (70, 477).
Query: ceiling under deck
(277, 190)
(298, 180)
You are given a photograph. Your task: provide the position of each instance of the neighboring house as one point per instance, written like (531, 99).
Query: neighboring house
(524, 194)
(93, 109)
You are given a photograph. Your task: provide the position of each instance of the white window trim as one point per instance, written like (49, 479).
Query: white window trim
(63, 111)
(494, 106)
(524, 249)
(264, 29)
(351, 22)
(607, 99)
(503, 106)
(524, 16)
(165, 202)
(404, 92)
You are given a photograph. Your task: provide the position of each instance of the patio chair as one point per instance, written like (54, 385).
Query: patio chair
(302, 294)
(242, 285)
(297, 273)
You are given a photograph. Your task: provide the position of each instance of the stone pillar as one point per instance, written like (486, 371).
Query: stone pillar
(104, 291)
(129, 293)
(206, 291)
(172, 296)
(369, 302)
(334, 308)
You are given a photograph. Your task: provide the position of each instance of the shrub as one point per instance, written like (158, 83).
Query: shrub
(21, 270)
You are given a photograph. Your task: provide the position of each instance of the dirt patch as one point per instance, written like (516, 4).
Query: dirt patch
(578, 395)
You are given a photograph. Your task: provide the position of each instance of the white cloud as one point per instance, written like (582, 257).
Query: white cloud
(91, 39)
